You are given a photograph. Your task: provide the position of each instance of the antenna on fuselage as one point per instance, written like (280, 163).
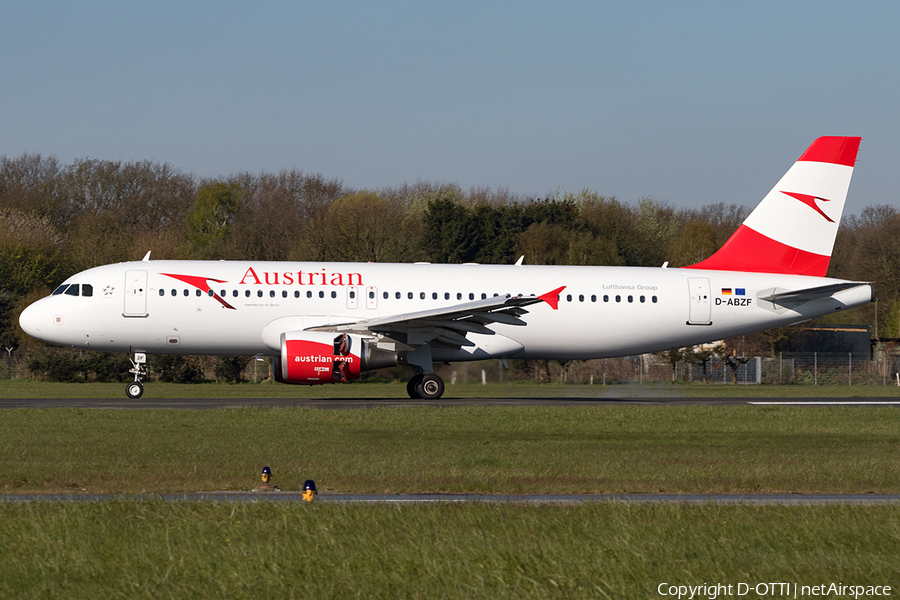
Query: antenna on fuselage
(147, 256)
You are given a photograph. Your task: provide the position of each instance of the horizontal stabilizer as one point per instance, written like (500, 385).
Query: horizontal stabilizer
(825, 291)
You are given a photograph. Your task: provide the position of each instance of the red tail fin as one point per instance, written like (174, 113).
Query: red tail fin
(793, 228)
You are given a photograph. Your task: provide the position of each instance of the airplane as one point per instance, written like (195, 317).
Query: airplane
(328, 322)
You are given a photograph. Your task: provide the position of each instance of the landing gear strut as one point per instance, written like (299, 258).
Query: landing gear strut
(135, 389)
(425, 387)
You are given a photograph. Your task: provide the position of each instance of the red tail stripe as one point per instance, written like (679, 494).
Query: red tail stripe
(835, 150)
(751, 251)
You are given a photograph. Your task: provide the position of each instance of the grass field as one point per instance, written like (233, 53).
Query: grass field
(153, 549)
(20, 388)
(688, 449)
(604, 550)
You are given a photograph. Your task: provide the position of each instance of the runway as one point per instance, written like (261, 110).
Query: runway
(574, 499)
(333, 403)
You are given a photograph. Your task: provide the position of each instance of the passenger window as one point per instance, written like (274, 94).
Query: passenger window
(434, 295)
(222, 293)
(385, 295)
(174, 293)
(162, 292)
(352, 294)
(605, 298)
(309, 294)
(643, 299)
(334, 294)
(321, 294)
(654, 299)
(187, 292)
(471, 296)
(483, 296)
(296, 293)
(259, 293)
(446, 295)
(631, 298)
(581, 297)
(409, 295)
(199, 293)
(247, 294)
(618, 298)
(371, 295)
(593, 297)
(234, 293)
(271, 293)
(568, 297)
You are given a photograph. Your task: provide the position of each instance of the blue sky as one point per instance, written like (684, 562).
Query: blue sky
(687, 102)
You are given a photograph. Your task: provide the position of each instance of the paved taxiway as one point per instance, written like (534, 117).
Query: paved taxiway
(337, 498)
(210, 403)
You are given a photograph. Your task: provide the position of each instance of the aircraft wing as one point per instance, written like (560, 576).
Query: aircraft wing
(450, 324)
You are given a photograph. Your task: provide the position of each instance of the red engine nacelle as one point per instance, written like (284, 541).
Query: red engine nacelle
(313, 357)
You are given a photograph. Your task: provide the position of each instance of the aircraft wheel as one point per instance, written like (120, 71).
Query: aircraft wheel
(431, 387)
(134, 390)
(412, 386)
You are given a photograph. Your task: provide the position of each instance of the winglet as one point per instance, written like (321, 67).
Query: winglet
(552, 298)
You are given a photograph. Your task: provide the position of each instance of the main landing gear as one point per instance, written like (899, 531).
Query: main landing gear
(135, 389)
(425, 387)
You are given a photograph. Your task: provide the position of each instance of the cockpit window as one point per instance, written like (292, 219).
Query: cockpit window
(60, 289)
(72, 290)
(87, 289)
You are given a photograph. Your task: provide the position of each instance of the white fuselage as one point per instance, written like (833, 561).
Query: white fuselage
(602, 312)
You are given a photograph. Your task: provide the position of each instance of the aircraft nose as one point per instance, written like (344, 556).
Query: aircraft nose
(33, 320)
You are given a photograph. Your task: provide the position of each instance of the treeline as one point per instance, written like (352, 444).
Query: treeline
(57, 219)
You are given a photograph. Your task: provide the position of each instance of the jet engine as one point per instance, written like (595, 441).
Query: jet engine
(313, 357)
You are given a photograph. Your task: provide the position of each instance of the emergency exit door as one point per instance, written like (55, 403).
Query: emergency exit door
(135, 294)
(701, 303)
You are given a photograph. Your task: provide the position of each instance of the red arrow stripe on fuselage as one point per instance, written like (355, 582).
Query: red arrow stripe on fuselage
(202, 284)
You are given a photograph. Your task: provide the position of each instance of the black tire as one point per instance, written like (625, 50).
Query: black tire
(412, 385)
(134, 390)
(430, 388)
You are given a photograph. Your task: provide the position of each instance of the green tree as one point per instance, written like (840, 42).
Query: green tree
(366, 227)
(210, 218)
(31, 252)
(229, 368)
(695, 242)
(447, 237)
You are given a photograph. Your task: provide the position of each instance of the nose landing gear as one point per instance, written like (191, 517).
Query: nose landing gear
(135, 389)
